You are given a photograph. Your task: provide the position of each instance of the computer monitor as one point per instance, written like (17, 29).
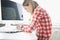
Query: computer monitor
(11, 13)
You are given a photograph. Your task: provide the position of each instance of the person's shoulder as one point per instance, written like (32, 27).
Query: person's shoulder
(41, 10)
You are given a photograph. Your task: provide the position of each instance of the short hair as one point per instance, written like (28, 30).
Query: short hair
(34, 4)
(25, 3)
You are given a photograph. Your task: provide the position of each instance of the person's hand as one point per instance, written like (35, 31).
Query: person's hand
(19, 27)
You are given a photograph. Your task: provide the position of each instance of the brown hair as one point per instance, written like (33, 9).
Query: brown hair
(34, 4)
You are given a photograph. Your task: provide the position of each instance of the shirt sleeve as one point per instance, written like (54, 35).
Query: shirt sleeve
(33, 24)
(45, 29)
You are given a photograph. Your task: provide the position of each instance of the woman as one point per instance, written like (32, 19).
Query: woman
(40, 20)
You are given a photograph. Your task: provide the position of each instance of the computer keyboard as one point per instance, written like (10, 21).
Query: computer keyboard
(10, 29)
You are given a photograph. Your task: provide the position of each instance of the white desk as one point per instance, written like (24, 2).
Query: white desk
(19, 35)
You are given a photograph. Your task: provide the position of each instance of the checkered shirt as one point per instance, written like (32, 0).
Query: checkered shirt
(41, 22)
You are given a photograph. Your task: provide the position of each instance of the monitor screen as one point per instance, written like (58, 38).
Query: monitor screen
(10, 11)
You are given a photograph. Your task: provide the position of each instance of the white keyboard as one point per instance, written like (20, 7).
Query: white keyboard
(9, 30)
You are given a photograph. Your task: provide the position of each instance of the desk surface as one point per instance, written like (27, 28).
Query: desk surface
(19, 35)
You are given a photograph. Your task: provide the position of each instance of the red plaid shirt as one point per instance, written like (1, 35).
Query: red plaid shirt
(41, 22)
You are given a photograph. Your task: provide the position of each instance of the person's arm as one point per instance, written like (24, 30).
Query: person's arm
(33, 24)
